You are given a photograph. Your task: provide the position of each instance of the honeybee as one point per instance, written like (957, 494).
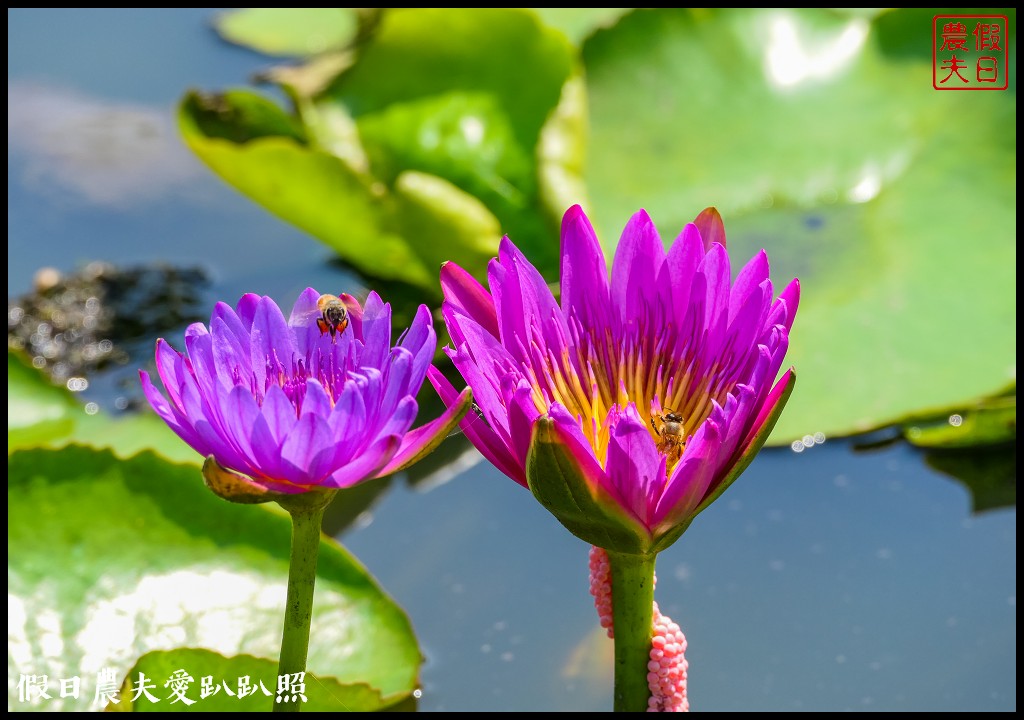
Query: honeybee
(333, 316)
(672, 433)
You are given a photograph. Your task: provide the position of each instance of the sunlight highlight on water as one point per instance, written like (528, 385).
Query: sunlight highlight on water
(791, 59)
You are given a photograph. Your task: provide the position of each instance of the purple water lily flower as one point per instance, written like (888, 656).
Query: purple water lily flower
(634, 403)
(293, 407)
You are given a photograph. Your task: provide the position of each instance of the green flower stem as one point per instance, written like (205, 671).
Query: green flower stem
(307, 511)
(632, 614)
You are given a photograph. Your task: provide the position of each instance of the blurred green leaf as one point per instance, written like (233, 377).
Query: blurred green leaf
(240, 116)
(418, 54)
(849, 168)
(323, 694)
(40, 414)
(578, 23)
(562, 152)
(422, 52)
(443, 222)
(37, 411)
(423, 148)
(111, 559)
(463, 137)
(991, 421)
(289, 31)
(313, 189)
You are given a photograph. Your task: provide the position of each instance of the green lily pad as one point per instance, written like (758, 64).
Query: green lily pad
(424, 52)
(215, 687)
(289, 31)
(578, 23)
(464, 137)
(110, 559)
(990, 421)
(36, 410)
(822, 140)
(40, 414)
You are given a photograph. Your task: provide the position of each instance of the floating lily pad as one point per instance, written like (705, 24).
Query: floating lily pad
(109, 559)
(289, 31)
(40, 414)
(820, 141)
(990, 421)
(239, 684)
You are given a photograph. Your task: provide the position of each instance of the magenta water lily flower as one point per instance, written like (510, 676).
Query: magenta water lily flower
(321, 400)
(632, 404)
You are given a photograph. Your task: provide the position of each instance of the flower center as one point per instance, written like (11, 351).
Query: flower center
(328, 368)
(595, 376)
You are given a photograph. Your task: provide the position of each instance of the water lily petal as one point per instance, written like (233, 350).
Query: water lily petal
(715, 270)
(483, 362)
(523, 302)
(315, 400)
(302, 321)
(693, 476)
(421, 441)
(479, 432)
(421, 341)
(711, 226)
(170, 368)
(307, 438)
(170, 415)
(634, 465)
(270, 342)
(585, 290)
(749, 282)
(639, 258)
(676, 274)
(246, 309)
(376, 329)
(464, 292)
(367, 464)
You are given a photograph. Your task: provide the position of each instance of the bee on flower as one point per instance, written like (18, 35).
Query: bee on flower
(631, 404)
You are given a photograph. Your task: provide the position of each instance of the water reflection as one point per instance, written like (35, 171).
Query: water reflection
(827, 579)
(105, 153)
(990, 473)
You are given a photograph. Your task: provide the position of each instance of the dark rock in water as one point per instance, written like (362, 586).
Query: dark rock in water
(103, 320)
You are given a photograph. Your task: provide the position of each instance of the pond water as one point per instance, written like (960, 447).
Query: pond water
(832, 579)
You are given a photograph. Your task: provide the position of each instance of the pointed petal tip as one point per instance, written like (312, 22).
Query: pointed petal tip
(641, 215)
(709, 214)
(418, 443)
(711, 226)
(575, 220)
(573, 213)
